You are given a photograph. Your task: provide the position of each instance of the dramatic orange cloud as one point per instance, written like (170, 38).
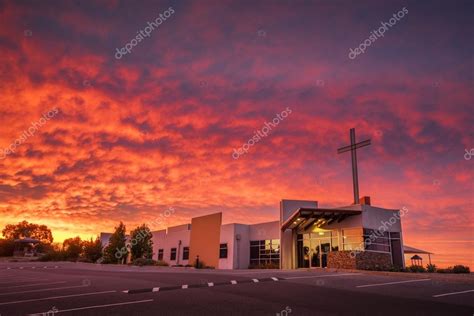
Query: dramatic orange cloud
(158, 127)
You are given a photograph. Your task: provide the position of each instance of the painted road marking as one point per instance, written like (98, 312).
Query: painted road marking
(23, 280)
(199, 285)
(32, 267)
(391, 283)
(41, 290)
(95, 306)
(453, 293)
(56, 297)
(321, 276)
(37, 284)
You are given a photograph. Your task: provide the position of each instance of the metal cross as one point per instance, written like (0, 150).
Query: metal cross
(353, 147)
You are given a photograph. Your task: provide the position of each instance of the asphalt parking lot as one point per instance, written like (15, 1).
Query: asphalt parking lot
(85, 289)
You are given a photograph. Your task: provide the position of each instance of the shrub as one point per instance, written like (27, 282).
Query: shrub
(92, 250)
(431, 268)
(461, 269)
(265, 266)
(188, 265)
(177, 265)
(396, 268)
(161, 263)
(54, 255)
(447, 270)
(143, 262)
(6, 247)
(414, 268)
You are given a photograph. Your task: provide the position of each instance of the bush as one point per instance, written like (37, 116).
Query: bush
(456, 269)
(265, 266)
(6, 247)
(54, 256)
(177, 265)
(461, 269)
(92, 250)
(395, 268)
(431, 268)
(143, 262)
(161, 263)
(416, 269)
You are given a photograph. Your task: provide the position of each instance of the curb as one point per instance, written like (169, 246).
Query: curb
(199, 285)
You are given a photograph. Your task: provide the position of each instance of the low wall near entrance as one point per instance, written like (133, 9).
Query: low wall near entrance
(363, 260)
(341, 260)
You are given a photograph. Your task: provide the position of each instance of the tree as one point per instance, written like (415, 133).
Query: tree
(72, 247)
(92, 249)
(141, 243)
(28, 230)
(116, 252)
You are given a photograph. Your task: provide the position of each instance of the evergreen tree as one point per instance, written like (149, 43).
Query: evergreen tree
(93, 249)
(141, 242)
(116, 252)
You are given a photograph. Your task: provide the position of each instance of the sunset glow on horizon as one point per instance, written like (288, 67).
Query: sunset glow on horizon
(89, 139)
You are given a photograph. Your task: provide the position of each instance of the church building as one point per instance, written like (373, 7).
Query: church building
(357, 236)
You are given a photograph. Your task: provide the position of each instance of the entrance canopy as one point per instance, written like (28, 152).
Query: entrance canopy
(304, 217)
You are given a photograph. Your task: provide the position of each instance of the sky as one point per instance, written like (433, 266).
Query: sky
(90, 137)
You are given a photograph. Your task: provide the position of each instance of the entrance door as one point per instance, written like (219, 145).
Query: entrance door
(313, 249)
(319, 250)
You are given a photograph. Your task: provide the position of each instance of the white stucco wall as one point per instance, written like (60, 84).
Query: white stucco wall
(269, 230)
(167, 239)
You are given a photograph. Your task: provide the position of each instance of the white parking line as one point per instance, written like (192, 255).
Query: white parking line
(21, 280)
(453, 293)
(42, 290)
(322, 276)
(56, 297)
(390, 283)
(36, 284)
(95, 306)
